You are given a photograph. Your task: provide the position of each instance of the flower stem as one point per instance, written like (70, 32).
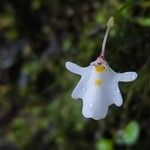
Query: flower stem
(109, 26)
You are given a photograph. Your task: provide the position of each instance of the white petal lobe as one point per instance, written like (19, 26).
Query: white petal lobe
(127, 76)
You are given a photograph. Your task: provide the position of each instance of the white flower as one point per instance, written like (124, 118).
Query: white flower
(98, 86)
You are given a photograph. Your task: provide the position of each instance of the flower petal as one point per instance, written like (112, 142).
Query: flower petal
(72, 67)
(127, 76)
(80, 88)
(117, 97)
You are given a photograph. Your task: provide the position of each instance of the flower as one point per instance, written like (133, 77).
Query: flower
(98, 86)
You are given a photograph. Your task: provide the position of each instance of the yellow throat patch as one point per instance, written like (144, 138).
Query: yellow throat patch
(99, 69)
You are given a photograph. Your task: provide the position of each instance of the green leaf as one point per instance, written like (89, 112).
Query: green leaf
(123, 7)
(104, 144)
(131, 133)
(143, 21)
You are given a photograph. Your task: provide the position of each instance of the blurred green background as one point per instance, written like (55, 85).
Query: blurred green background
(37, 37)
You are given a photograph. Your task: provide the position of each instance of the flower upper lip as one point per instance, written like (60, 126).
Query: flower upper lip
(99, 62)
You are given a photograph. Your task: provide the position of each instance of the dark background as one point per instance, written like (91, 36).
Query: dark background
(37, 37)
